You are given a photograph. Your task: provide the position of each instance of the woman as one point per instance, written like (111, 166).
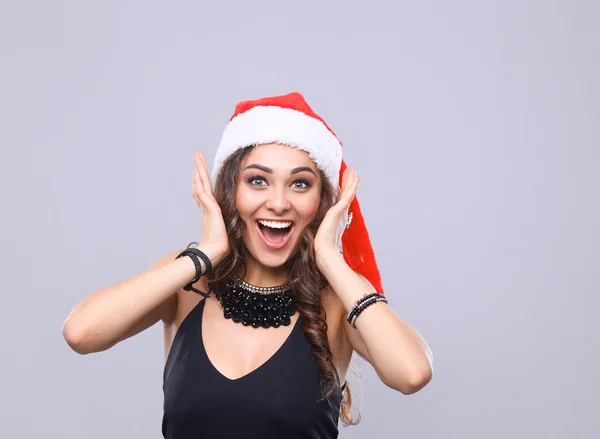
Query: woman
(261, 317)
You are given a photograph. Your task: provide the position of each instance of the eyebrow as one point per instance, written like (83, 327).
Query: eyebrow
(270, 171)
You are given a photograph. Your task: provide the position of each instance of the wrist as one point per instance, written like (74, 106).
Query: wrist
(215, 254)
(325, 256)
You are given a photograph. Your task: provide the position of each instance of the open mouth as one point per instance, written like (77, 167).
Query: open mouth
(275, 234)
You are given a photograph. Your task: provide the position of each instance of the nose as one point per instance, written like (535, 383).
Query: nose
(277, 201)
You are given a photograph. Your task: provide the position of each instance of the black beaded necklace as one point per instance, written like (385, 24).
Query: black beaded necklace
(257, 306)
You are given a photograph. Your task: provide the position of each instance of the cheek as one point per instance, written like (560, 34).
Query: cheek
(308, 208)
(241, 203)
(246, 202)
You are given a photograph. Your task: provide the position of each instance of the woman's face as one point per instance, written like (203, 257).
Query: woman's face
(277, 197)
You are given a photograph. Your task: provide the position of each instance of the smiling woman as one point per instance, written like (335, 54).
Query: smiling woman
(263, 314)
(279, 195)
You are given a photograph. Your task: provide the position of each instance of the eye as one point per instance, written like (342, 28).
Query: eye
(256, 180)
(303, 184)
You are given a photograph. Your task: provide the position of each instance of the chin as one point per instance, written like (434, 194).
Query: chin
(266, 257)
(272, 261)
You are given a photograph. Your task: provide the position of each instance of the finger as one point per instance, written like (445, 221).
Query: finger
(205, 185)
(354, 187)
(206, 182)
(205, 198)
(351, 176)
(199, 165)
(201, 194)
(204, 175)
(343, 185)
(206, 203)
(351, 189)
(197, 190)
(194, 181)
(347, 180)
(198, 187)
(353, 184)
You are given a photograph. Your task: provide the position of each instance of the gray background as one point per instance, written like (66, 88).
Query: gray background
(473, 124)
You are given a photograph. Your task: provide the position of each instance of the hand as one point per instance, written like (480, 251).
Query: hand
(214, 241)
(325, 238)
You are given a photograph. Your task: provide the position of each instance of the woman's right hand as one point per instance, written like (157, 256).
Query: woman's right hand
(213, 241)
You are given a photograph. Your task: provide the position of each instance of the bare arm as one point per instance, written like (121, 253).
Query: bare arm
(397, 352)
(119, 311)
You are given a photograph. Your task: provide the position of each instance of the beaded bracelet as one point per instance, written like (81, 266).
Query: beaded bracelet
(362, 304)
(366, 305)
(354, 308)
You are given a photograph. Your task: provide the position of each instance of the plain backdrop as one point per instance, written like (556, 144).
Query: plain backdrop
(474, 126)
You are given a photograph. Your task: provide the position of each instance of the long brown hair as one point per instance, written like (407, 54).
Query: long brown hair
(306, 280)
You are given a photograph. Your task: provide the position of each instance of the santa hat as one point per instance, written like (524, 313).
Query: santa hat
(289, 120)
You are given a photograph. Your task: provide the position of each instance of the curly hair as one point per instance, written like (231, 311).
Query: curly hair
(306, 280)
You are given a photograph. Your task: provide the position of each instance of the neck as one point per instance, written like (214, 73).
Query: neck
(260, 275)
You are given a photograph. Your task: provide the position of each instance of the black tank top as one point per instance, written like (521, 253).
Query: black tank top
(277, 400)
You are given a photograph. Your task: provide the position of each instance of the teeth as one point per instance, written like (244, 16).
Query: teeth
(275, 224)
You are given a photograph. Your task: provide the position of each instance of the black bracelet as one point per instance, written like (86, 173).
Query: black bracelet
(362, 304)
(363, 299)
(196, 262)
(359, 303)
(202, 256)
(194, 254)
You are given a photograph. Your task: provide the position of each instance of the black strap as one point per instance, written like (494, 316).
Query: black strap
(189, 287)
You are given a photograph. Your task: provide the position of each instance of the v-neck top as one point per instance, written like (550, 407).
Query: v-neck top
(279, 399)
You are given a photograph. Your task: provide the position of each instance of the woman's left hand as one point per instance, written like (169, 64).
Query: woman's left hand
(325, 240)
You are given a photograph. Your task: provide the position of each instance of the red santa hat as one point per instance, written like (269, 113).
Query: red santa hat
(289, 120)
